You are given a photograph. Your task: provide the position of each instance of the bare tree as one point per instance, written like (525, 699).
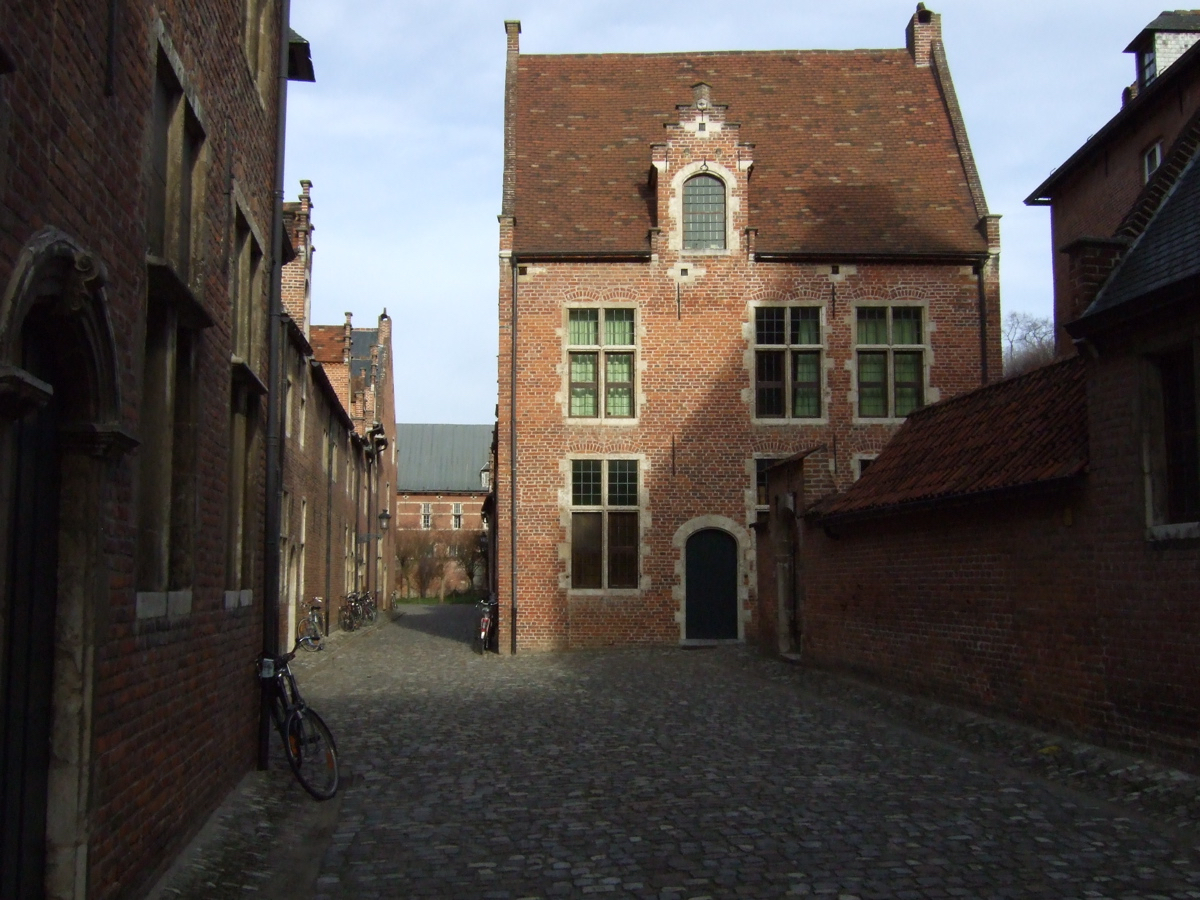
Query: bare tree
(1028, 342)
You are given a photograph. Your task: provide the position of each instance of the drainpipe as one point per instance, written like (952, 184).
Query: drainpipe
(512, 444)
(983, 324)
(270, 642)
(329, 523)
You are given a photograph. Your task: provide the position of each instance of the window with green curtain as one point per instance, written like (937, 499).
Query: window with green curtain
(906, 325)
(618, 327)
(908, 379)
(583, 327)
(584, 387)
(872, 325)
(618, 385)
(806, 325)
(806, 384)
(872, 384)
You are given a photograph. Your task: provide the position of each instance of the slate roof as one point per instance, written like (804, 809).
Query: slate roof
(1167, 252)
(1025, 431)
(328, 342)
(361, 342)
(1184, 20)
(448, 458)
(854, 150)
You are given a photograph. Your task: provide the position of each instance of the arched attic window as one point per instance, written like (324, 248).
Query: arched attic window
(704, 213)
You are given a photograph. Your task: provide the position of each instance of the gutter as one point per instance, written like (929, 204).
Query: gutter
(930, 258)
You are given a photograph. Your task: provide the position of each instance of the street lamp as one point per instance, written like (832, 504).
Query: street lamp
(385, 517)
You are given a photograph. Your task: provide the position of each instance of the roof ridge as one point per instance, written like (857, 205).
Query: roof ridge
(960, 399)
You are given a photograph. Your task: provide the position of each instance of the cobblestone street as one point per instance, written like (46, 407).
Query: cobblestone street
(663, 773)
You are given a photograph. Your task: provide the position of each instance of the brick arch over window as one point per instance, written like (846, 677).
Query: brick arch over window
(704, 212)
(59, 388)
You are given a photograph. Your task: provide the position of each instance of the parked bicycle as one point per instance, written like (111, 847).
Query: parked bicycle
(358, 610)
(308, 632)
(485, 631)
(307, 742)
(370, 608)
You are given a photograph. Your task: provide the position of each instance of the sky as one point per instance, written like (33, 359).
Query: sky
(401, 136)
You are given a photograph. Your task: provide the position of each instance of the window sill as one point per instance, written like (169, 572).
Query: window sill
(1177, 531)
(595, 420)
(754, 420)
(882, 420)
(594, 593)
(706, 253)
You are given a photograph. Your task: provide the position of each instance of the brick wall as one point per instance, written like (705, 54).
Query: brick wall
(1054, 608)
(694, 430)
(73, 155)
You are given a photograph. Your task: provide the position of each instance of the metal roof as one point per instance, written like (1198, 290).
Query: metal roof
(441, 457)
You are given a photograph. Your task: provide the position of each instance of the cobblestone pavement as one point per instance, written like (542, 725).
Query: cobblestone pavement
(672, 774)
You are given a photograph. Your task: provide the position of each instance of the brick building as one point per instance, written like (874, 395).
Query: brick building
(1090, 194)
(139, 242)
(1033, 547)
(709, 261)
(358, 363)
(443, 480)
(323, 459)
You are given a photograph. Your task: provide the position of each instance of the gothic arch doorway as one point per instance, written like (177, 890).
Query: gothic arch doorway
(59, 405)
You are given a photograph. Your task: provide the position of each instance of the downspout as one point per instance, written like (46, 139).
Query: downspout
(983, 324)
(512, 443)
(270, 642)
(329, 523)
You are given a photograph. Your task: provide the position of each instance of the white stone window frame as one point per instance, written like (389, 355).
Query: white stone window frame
(826, 362)
(733, 207)
(456, 517)
(860, 458)
(639, 398)
(928, 327)
(567, 509)
(426, 516)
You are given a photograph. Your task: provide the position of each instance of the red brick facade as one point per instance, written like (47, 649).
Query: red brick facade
(695, 425)
(1029, 566)
(137, 170)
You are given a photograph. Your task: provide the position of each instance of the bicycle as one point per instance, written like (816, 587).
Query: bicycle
(308, 631)
(350, 616)
(370, 610)
(487, 608)
(307, 741)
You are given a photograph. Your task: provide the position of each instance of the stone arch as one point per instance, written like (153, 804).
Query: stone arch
(745, 548)
(54, 311)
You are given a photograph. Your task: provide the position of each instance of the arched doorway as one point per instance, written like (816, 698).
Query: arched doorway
(711, 606)
(59, 436)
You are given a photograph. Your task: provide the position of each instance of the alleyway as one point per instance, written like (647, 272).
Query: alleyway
(672, 774)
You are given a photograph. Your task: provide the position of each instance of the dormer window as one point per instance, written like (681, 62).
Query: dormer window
(704, 213)
(1147, 67)
(1151, 160)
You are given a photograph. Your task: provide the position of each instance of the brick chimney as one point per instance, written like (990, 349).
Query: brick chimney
(924, 28)
(347, 339)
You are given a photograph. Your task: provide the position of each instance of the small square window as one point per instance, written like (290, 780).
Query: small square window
(1151, 160)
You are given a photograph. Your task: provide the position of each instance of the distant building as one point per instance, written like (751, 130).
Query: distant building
(358, 363)
(443, 481)
(711, 261)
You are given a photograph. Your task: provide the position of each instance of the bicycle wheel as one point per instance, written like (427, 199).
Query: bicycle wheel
(371, 614)
(311, 753)
(346, 619)
(482, 633)
(308, 635)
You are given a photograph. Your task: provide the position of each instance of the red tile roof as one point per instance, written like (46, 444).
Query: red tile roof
(328, 343)
(854, 150)
(1027, 430)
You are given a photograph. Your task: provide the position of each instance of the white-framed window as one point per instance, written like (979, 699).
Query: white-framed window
(787, 362)
(891, 361)
(456, 517)
(601, 359)
(604, 523)
(704, 213)
(1151, 160)
(1147, 66)
(426, 516)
